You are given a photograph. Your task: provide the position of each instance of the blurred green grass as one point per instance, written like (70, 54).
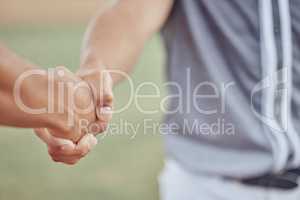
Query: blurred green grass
(118, 168)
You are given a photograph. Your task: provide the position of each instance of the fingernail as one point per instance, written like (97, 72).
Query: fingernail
(105, 110)
(105, 113)
(93, 141)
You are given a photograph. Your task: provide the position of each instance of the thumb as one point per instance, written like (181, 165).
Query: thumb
(103, 90)
(52, 141)
(101, 84)
(104, 98)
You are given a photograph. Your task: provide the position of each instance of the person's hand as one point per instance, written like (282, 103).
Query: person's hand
(68, 152)
(69, 139)
(101, 83)
(65, 151)
(73, 110)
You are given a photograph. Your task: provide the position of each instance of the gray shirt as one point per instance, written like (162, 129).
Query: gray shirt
(234, 86)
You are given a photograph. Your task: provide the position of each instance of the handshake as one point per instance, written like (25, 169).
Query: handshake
(78, 108)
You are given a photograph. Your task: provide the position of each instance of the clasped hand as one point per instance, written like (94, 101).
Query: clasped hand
(81, 108)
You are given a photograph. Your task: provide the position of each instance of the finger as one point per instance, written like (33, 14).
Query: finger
(104, 114)
(66, 160)
(104, 100)
(98, 127)
(107, 96)
(101, 84)
(57, 148)
(84, 146)
(72, 162)
(53, 142)
(80, 150)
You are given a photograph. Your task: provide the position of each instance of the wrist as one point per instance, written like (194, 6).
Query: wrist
(89, 68)
(91, 61)
(91, 71)
(32, 96)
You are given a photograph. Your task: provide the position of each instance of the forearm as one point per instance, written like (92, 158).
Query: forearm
(11, 68)
(116, 37)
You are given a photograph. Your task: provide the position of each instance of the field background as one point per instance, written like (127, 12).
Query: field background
(49, 33)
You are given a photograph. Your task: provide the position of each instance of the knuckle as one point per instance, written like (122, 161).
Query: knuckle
(73, 162)
(52, 152)
(99, 127)
(83, 152)
(103, 127)
(55, 151)
(54, 159)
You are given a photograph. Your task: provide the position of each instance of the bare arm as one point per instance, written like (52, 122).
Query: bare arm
(25, 97)
(34, 93)
(11, 67)
(116, 37)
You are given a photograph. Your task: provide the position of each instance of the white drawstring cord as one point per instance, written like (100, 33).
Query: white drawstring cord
(287, 50)
(269, 64)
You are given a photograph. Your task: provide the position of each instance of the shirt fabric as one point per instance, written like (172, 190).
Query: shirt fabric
(233, 70)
